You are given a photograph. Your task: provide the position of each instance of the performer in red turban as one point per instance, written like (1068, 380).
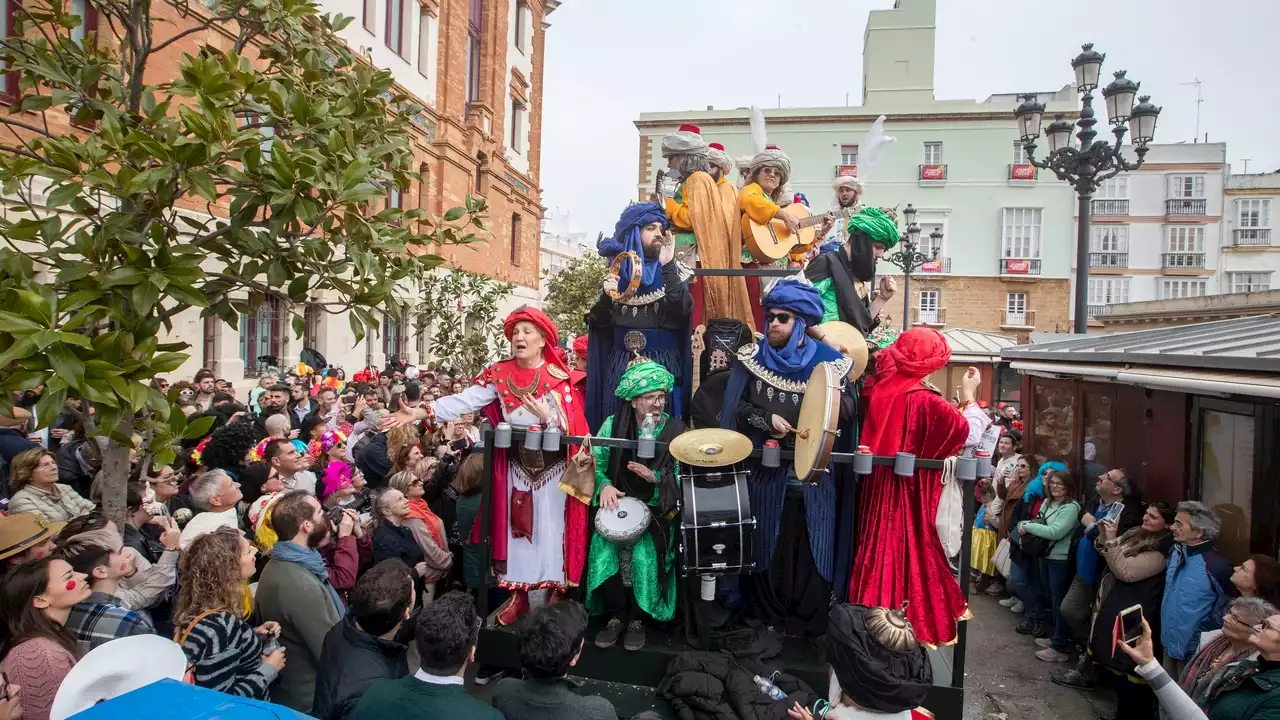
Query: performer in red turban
(539, 533)
(900, 556)
(578, 375)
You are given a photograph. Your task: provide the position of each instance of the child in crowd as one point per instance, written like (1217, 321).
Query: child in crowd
(984, 539)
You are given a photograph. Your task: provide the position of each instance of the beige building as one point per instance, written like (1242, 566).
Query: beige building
(1250, 245)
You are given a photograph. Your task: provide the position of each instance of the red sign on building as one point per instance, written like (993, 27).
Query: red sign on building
(932, 266)
(933, 172)
(1022, 172)
(1017, 267)
(847, 171)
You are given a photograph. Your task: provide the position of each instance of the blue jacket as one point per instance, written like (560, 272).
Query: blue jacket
(1195, 597)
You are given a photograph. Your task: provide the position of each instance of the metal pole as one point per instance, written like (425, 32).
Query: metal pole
(1081, 321)
(486, 507)
(966, 546)
(906, 300)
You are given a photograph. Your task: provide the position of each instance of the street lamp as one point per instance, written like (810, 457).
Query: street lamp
(909, 259)
(1086, 167)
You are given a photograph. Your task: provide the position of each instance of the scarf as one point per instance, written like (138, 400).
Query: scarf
(803, 301)
(626, 238)
(419, 509)
(900, 368)
(309, 558)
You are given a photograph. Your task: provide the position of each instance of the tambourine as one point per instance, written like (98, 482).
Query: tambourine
(637, 272)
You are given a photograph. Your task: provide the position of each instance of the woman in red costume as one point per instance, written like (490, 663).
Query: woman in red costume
(539, 534)
(900, 557)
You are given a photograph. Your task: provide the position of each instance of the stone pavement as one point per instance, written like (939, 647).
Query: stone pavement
(1005, 681)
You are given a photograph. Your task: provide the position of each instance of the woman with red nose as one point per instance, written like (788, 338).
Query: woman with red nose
(35, 600)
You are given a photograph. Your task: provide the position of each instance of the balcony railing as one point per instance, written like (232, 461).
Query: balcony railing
(1025, 318)
(1184, 206)
(1097, 310)
(1109, 259)
(1022, 171)
(1019, 266)
(936, 316)
(1252, 236)
(933, 172)
(939, 265)
(1188, 260)
(1109, 207)
(846, 171)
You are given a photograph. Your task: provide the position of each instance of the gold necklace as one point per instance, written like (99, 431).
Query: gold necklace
(526, 391)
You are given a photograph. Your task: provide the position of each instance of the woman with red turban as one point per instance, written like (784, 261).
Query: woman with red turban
(539, 533)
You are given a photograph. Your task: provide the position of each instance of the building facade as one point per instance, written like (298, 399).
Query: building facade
(1005, 258)
(1250, 246)
(475, 66)
(559, 247)
(1156, 233)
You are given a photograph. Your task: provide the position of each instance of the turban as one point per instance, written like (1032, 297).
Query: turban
(580, 346)
(877, 225)
(719, 157)
(772, 156)
(911, 358)
(849, 182)
(876, 659)
(798, 296)
(686, 140)
(537, 318)
(626, 237)
(643, 378)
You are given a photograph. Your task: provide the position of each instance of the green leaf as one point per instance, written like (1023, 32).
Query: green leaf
(123, 275)
(138, 394)
(48, 406)
(35, 306)
(454, 213)
(63, 195)
(198, 428)
(66, 364)
(167, 362)
(19, 350)
(12, 322)
(202, 185)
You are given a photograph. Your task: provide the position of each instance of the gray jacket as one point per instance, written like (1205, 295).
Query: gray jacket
(534, 699)
(292, 596)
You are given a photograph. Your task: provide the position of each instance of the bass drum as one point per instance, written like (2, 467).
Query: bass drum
(717, 531)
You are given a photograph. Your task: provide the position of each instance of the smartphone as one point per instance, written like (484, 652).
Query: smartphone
(1114, 513)
(1131, 625)
(271, 643)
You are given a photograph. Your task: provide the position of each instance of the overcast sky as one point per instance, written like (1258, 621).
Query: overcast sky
(607, 61)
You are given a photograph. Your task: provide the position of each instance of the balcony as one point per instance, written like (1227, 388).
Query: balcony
(1019, 266)
(936, 316)
(1096, 310)
(1184, 206)
(1024, 319)
(1108, 259)
(939, 265)
(1182, 261)
(846, 171)
(1245, 237)
(1022, 172)
(1104, 208)
(933, 174)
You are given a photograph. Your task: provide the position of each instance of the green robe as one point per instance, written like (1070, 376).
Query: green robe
(602, 560)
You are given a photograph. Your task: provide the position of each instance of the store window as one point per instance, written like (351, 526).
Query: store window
(1226, 477)
(1052, 422)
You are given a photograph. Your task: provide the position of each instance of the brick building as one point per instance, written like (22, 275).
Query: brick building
(476, 68)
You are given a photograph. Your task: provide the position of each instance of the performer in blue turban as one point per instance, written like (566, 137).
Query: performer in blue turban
(796, 522)
(651, 319)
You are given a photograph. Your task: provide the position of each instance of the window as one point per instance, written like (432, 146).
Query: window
(515, 238)
(481, 169)
(1186, 239)
(425, 47)
(1116, 188)
(475, 9)
(1254, 212)
(517, 127)
(1249, 281)
(395, 197)
(1186, 186)
(929, 303)
(424, 188)
(423, 329)
(261, 333)
(1020, 156)
(933, 153)
(1015, 309)
(926, 242)
(1109, 238)
(1173, 289)
(1020, 236)
(521, 34)
(393, 334)
(395, 26)
(311, 326)
(88, 20)
(848, 154)
(370, 13)
(1108, 291)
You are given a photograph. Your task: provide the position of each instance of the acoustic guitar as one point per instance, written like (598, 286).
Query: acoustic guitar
(772, 241)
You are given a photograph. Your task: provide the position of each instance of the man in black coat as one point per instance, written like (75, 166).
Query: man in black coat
(362, 648)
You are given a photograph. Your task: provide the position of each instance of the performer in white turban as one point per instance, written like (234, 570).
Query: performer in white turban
(847, 203)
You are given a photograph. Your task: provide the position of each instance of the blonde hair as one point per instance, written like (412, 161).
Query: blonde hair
(209, 576)
(400, 436)
(401, 481)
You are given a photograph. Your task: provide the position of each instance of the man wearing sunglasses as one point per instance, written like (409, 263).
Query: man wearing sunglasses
(796, 525)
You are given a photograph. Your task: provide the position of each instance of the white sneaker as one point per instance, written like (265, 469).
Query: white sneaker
(1044, 642)
(1018, 607)
(1052, 656)
(1008, 602)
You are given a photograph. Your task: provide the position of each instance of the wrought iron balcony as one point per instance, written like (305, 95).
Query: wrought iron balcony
(1188, 260)
(933, 173)
(1019, 266)
(1109, 259)
(936, 316)
(1251, 236)
(1185, 206)
(938, 265)
(1022, 171)
(1109, 207)
(1024, 319)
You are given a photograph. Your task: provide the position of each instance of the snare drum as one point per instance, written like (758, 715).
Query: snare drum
(717, 531)
(624, 524)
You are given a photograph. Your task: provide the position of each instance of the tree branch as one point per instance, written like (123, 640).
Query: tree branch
(8, 120)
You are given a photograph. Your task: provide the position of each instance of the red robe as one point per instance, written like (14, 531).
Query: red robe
(900, 557)
(570, 404)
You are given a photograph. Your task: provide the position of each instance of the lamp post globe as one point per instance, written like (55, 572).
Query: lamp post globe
(1119, 95)
(1088, 66)
(1142, 121)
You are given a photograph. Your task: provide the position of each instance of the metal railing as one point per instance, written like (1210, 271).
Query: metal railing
(1026, 172)
(1109, 259)
(1109, 207)
(1019, 266)
(1185, 206)
(1017, 319)
(1251, 236)
(937, 265)
(933, 171)
(1189, 260)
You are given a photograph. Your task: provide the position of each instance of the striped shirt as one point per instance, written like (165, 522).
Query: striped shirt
(227, 656)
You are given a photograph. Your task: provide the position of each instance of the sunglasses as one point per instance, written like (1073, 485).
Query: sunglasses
(781, 317)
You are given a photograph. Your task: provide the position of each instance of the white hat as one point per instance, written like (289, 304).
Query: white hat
(115, 668)
(686, 140)
(849, 182)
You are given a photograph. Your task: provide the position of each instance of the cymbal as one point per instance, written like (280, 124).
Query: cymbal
(711, 447)
(853, 341)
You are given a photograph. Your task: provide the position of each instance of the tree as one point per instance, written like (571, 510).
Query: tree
(210, 180)
(572, 291)
(463, 307)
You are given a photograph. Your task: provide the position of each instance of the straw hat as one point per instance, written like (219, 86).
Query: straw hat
(24, 531)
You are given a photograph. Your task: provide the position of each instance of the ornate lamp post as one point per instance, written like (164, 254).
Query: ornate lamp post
(908, 259)
(1087, 166)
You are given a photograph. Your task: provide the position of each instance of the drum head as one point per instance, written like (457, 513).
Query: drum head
(625, 522)
(853, 341)
(817, 417)
(711, 447)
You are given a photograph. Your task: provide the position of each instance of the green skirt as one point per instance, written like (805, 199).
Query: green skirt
(603, 563)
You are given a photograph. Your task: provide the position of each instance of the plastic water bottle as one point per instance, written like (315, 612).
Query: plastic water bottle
(646, 445)
(768, 688)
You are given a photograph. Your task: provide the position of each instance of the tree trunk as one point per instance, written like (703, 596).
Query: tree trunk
(115, 477)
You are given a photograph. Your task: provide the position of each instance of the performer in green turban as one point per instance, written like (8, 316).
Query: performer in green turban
(844, 276)
(630, 583)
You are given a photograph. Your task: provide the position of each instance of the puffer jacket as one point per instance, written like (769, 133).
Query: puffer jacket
(1195, 597)
(351, 661)
(719, 686)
